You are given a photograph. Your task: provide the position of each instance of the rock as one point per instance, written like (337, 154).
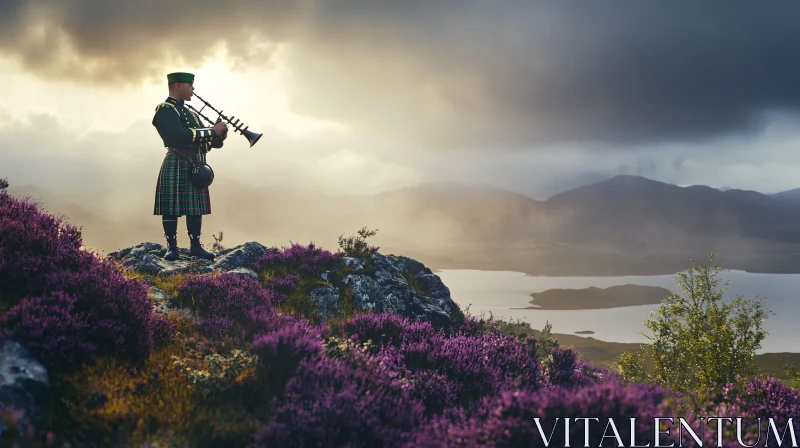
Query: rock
(145, 248)
(160, 298)
(388, 290)
(148, 258)
(327, 300)
(244, 271)
(393, 284)
(432, 284)
(355, 263)
(146, 264)
(386, 296)
(240, 256)
(24, 385)
(435, 311)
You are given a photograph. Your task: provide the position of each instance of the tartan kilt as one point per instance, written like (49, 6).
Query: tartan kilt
(175, 194)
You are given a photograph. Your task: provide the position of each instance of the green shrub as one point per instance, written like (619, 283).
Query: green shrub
(699, 342)
(356, 246)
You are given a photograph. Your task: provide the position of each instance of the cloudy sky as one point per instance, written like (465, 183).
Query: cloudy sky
(361, 97)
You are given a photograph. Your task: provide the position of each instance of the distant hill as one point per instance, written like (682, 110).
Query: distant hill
(623, 225)
(627, 208)
(793, 194)
(626, 224)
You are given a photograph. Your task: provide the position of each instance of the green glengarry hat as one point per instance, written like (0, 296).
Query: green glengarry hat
(180, 77)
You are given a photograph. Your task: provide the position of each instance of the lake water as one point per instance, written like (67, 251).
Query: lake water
(499, 292)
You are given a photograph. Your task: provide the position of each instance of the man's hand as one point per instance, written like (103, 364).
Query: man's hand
(224, 134)
(221, 127)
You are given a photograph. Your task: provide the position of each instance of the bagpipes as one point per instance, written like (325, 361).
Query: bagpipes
(201, 173)
(251, 136)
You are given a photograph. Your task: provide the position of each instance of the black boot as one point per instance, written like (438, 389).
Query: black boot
(170, 224)
(193, 224)
(197, 250)
(172, 249)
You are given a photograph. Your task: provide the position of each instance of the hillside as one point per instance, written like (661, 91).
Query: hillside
(604, 353)
(290, 346)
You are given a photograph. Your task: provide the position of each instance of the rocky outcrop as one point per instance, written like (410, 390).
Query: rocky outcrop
(148, 259)
(24, 387)
(403, 286)
(393, 284)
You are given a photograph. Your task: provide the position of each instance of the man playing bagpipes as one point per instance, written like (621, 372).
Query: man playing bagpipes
(178, 192)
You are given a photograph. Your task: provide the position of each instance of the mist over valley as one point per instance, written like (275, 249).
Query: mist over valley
(626, 225)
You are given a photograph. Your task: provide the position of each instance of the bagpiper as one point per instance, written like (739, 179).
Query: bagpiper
(184, 138)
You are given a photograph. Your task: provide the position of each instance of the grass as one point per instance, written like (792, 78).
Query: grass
(408, 278)
(166, 282)
(163, 399)
(602, 353)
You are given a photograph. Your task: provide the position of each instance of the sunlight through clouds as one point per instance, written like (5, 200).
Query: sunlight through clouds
(351, 98)
(257, 97)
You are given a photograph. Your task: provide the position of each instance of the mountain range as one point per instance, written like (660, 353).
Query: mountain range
(626, 225)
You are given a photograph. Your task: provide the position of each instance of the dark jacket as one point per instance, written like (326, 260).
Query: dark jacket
(180, 128)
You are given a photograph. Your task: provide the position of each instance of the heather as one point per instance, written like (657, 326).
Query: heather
(507, 419)
(67, 305)
(243, 361)
(329, 403)
(228, 306)
(762, 398)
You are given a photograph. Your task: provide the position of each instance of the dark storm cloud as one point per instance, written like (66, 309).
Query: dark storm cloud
(510, 74)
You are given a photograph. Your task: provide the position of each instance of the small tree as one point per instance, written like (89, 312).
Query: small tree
(357, 246)
(698, 341)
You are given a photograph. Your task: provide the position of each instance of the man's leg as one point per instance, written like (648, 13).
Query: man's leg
(170, 223)
(193, 226)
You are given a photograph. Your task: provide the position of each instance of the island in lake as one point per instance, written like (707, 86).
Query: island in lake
(598, 298)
